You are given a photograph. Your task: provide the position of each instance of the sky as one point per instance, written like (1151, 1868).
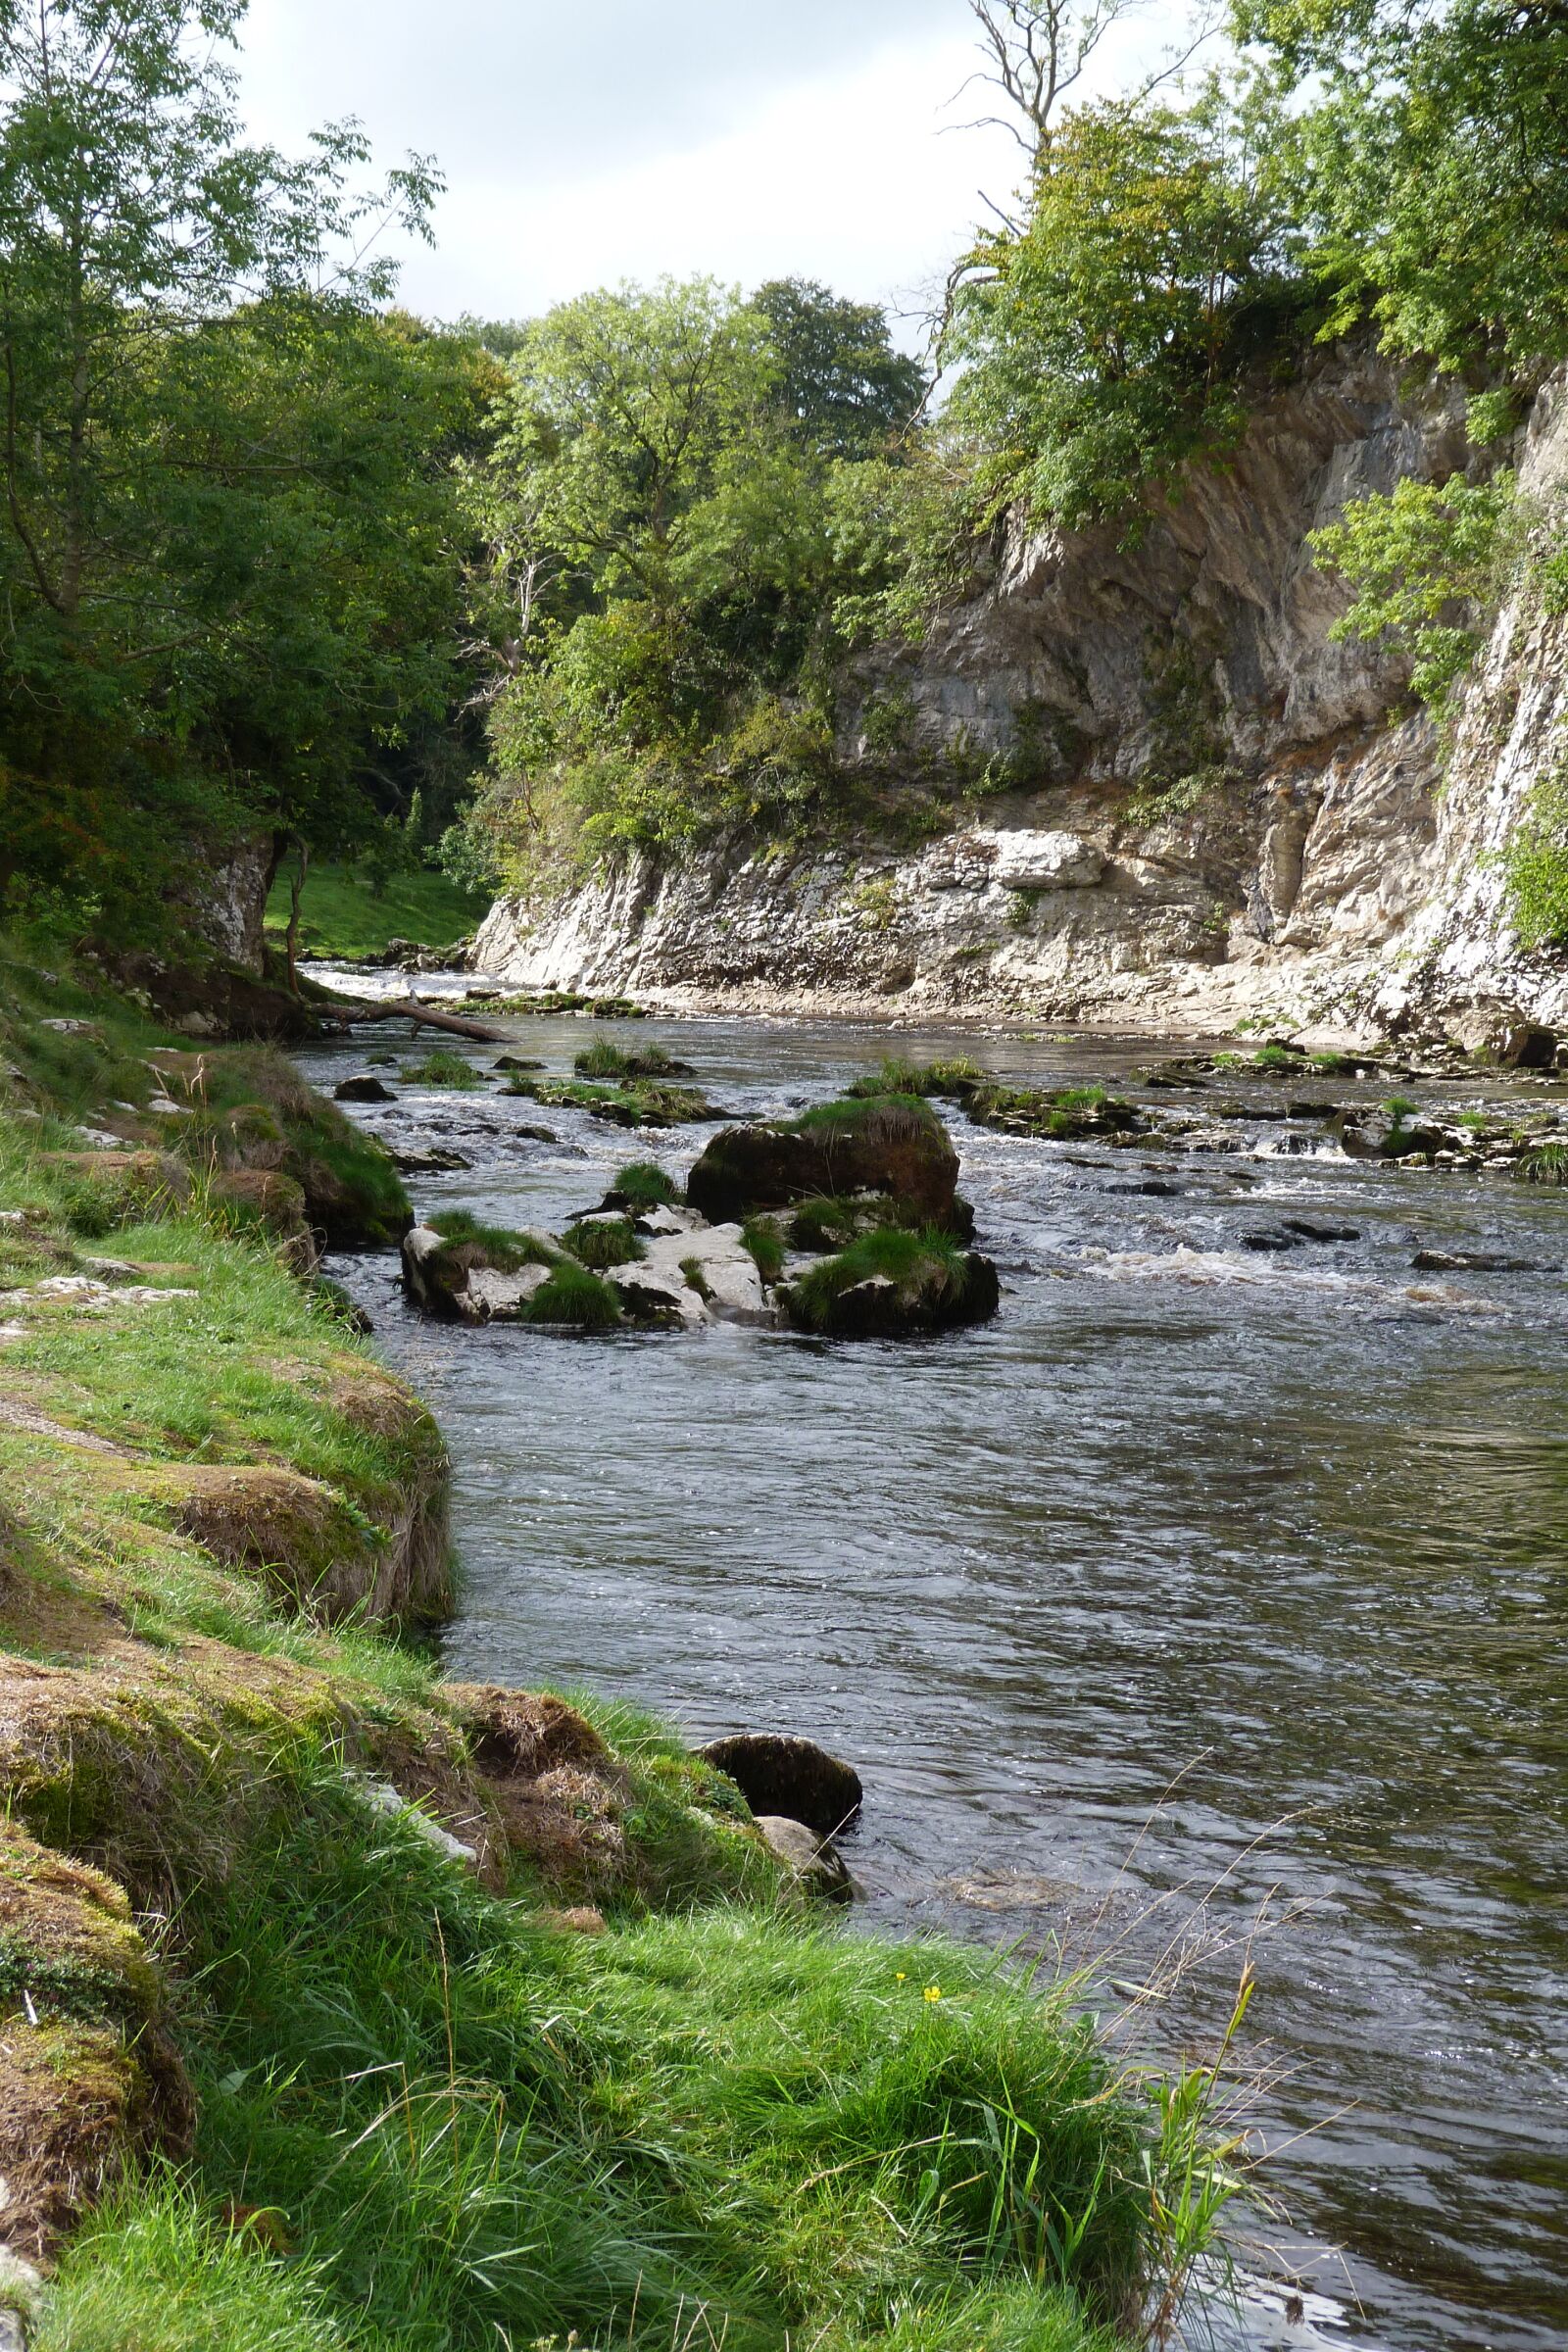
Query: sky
(742, 139)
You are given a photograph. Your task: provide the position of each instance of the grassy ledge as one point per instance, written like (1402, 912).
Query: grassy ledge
(345, 2008)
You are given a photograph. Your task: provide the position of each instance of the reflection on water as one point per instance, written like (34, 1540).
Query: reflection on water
(1197, 1574)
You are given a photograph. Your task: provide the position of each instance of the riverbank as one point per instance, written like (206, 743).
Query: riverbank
(348, 2007)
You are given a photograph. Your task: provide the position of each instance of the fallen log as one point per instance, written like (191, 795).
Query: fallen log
(350, 1010)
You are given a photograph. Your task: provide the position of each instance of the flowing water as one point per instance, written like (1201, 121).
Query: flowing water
(1206, 1603)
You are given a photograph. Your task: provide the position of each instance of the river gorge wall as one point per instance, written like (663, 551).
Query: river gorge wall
(1212, 811)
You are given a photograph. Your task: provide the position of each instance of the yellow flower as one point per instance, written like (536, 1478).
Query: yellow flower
(900, 1976)
(932, 1992)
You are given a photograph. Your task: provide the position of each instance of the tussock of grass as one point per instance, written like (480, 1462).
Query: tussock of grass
(444, 1068)
(642, 1184)
(954, 1078)
(604, 1058)
(913, 1261)
(1548, 1163)
(576, 1296)
(761, 1236)
(608, 1242)
(830, 1221)
(508, 1252)
(641, 1102)
(880, 1119)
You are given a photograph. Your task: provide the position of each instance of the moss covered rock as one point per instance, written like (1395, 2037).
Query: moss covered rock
(893, 1144)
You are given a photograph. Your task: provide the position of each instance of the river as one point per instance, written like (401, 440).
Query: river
(1206, 1602)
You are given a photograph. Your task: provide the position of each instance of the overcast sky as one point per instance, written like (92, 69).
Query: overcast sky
(743, 138)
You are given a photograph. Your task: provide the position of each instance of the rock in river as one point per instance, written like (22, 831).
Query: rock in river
(778, 1772)
(891, 1144)
(816, 1861)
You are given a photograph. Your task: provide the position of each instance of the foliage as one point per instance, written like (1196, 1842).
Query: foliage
(604, 1058)
(1096, 343)
(1424, 559)
(1429, 168)
(227, 550)
(839, 381)
(1535, 864)
(954, 1077)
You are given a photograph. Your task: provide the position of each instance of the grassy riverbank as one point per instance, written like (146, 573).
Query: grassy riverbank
(283, 2072)
(344, 916)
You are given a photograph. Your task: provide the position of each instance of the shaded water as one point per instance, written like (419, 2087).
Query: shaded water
(1198, 1573)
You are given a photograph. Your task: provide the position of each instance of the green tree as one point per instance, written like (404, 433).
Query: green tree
(841, 383)
(1430, 167)
(1098, 345)
(225, 542)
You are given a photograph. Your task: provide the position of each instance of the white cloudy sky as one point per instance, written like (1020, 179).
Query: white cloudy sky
(744, 138)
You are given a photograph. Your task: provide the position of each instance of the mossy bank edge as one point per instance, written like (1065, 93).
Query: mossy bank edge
(344, 2007)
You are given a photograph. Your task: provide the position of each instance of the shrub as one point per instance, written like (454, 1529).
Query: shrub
(1425, 562)
(1535, 864)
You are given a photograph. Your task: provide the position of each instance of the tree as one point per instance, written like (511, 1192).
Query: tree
(200, 411)
(1431, 167)
(841, 383)
(1095, 344)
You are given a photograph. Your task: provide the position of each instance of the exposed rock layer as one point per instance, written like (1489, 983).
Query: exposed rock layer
(1226, 812)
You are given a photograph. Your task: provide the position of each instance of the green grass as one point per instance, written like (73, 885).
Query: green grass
(612, 1241)
(442, 1067)
(827, 1221)
(1548, 1163)
(874, 1115)
(426, 2118)
(472, 2130)
(574, 1296)
(638, 1103)
(643, 1184)
(604, 1058)
(956, 1077)
(506, 1251)
(341, 919)
(760, 1235)
(911, 1261)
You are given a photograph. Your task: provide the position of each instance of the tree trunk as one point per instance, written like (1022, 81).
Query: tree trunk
(301, 868)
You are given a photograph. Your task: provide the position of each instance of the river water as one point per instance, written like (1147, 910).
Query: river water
(1207, 1604)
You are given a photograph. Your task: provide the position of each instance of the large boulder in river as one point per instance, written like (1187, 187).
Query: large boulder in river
(892, 1144)
(778, 1772)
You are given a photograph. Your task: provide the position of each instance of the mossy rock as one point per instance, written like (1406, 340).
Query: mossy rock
(89, 2079)
(1058, 1114)
(893, 1284)
(894, 1145)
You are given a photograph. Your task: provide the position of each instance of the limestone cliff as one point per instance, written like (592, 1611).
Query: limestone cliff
(1214, 809)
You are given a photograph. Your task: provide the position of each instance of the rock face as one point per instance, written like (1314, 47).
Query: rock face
(897, 1149)
(1220, 810)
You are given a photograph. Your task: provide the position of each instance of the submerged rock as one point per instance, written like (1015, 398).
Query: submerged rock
(780, 1773)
